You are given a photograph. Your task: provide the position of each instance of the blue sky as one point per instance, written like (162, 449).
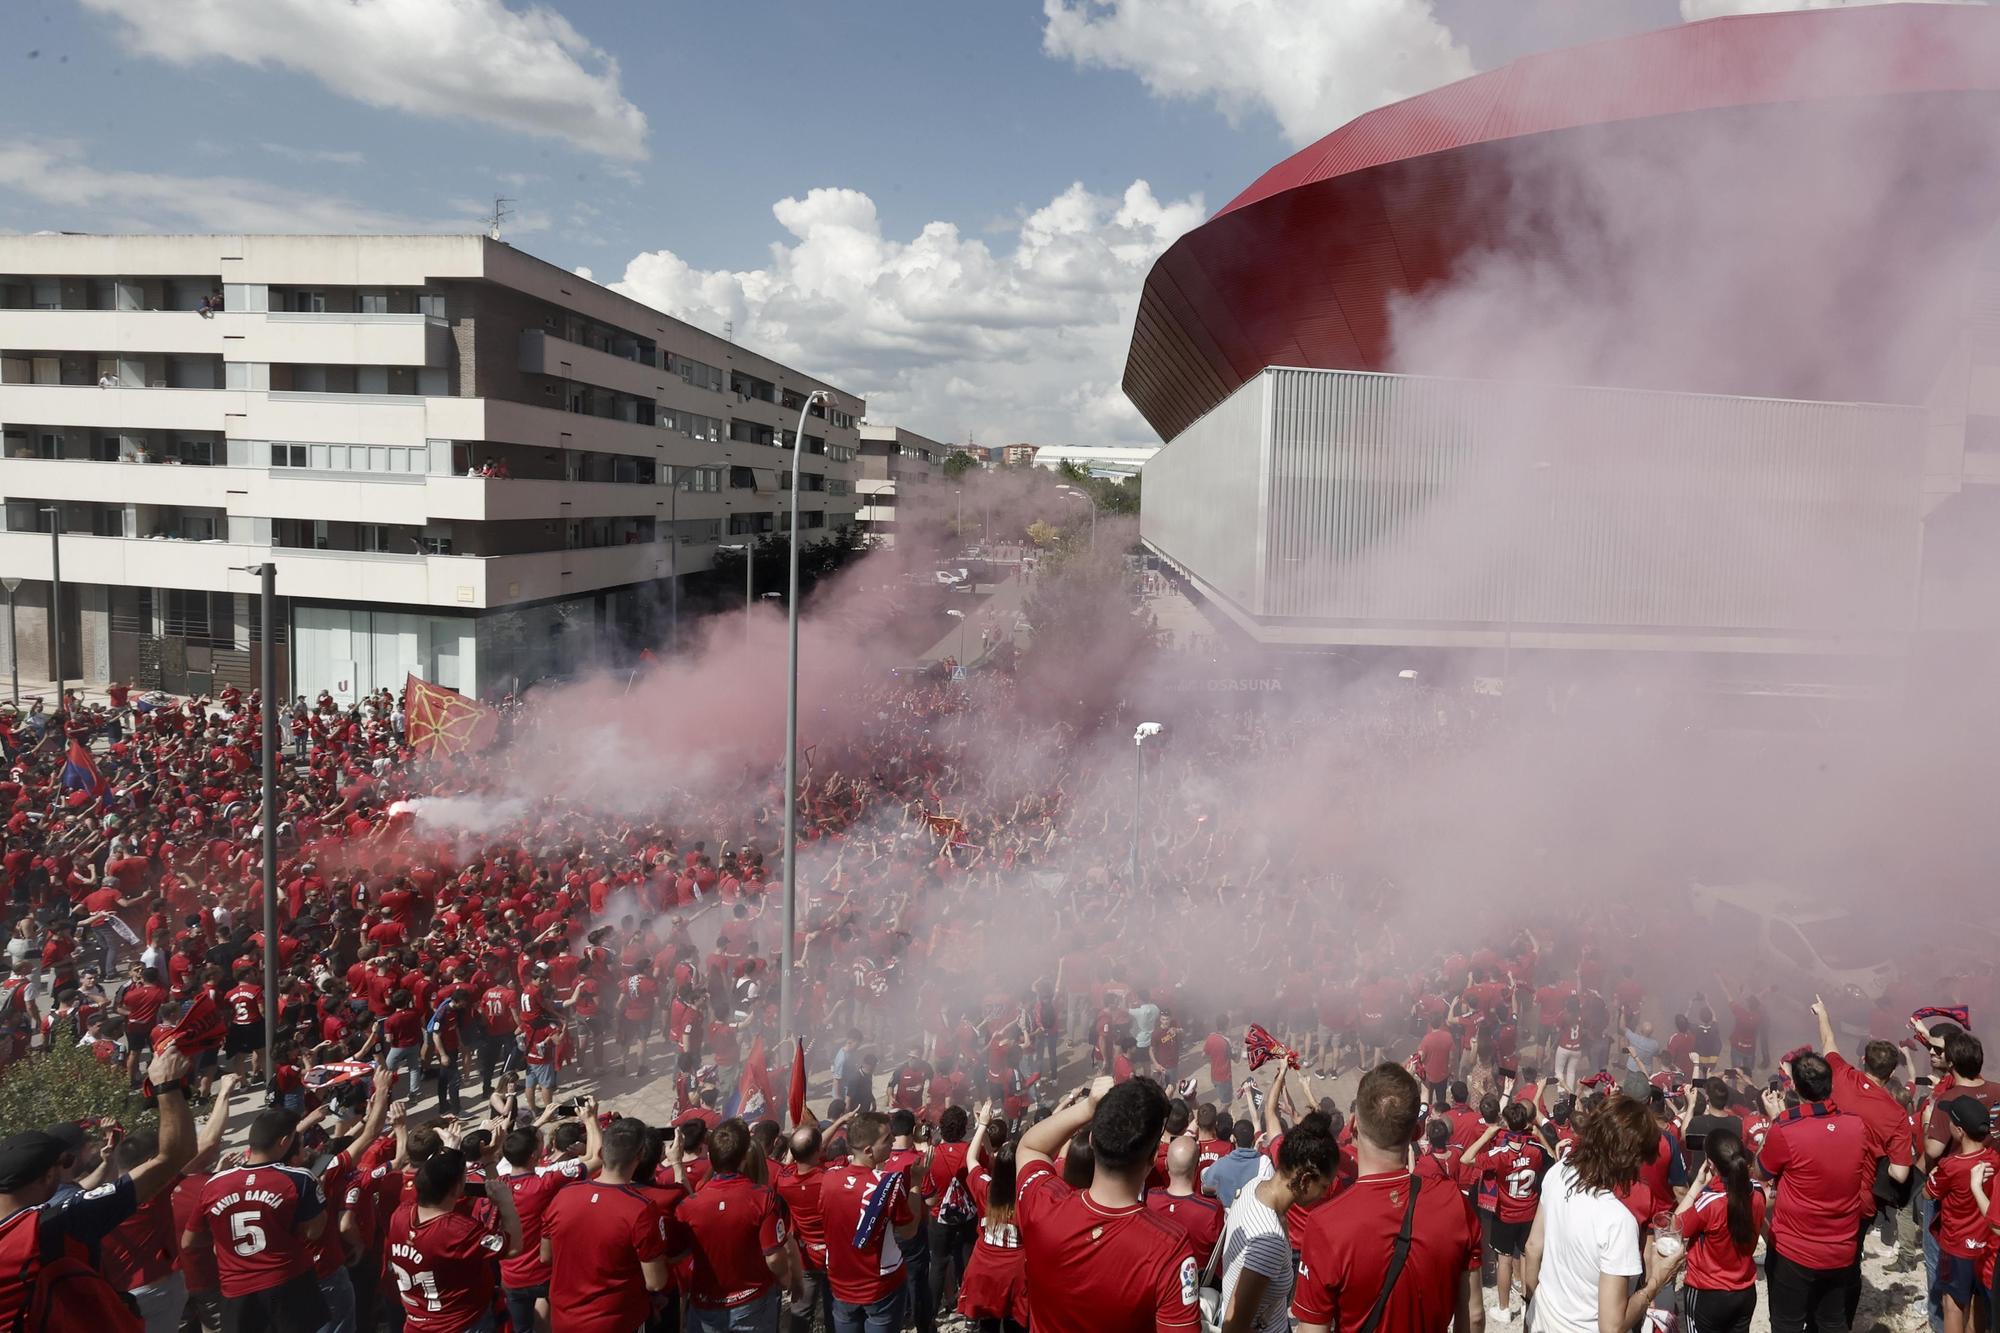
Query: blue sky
(946, 205)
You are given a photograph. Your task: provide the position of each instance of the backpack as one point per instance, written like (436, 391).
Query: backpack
(60, 1295)
(955, 1208)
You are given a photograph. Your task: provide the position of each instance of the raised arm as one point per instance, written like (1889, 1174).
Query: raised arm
(1043, 1141)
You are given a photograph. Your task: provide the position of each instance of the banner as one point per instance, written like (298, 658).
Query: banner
(441, 723)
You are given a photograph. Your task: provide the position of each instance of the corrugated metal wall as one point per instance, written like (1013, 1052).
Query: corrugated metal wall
(1203, 492)
(1407, 499)
(1398, 501)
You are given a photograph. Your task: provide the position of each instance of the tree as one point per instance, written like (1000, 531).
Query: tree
(957, 463)
(66, 1083)
(1043, 534)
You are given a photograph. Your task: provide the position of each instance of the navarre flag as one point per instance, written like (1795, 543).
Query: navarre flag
(795, 1094)
(79, 771)
(753, 1091)
(1259, 1046)
(198, 1030)
(945, 826)
(442, 723)
(881, 1206)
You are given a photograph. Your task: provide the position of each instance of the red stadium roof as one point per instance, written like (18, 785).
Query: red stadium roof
(1301, 267)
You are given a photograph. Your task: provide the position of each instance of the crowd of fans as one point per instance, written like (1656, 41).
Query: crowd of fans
(1014, 998)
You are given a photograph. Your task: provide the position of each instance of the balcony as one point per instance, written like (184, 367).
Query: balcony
(181, 332)
(543, 353)
(342, 338)
(122, 408)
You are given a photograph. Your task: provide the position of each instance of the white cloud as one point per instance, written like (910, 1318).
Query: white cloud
(525, 70)
(1313, 65)
(339, 157)
(1708, 9)
(938, 332)
(51, 184)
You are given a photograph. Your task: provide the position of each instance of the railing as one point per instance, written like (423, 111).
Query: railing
(348, 317)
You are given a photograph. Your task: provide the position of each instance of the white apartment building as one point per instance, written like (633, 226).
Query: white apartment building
(464, 461)
(893, 460)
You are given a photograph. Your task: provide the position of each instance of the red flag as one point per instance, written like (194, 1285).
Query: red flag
(441, 722)
(1259, 1046)
(795, 1100)
(199, 1030)
(756, 1081)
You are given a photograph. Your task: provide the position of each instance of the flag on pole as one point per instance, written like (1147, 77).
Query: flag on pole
(442, 723)
(79, 772)
(795, 1098)
(1259, 1046)
(753, 1091)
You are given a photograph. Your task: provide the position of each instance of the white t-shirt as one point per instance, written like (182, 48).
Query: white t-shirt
(1254, 1237)
(1584, 1233)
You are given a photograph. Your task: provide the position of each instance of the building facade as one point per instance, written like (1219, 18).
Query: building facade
(1107, 462)
(464, 462)
(896, 467)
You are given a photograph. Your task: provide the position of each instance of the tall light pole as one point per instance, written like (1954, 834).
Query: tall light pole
(958, 524)
(1075, 494)
(791, 897)
(267, 687)
(749, 550)
(674, 554)
(55, 595)
(959, 615)
(13, 641)
(1145, 731)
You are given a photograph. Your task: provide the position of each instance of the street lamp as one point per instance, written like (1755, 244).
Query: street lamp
(55, 594)
(791, 897)
(1145, 732)
(13, 640)
(749, 550)
(267, 678)
(1075, 494)
(960, 617)
(681, 478)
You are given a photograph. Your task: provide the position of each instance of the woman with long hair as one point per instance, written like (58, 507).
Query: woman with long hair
(1720, 1218)
(1585, 1270)
(993, 1293)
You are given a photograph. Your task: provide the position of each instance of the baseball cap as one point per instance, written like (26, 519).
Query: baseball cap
(1635, 1085)
(1970, 1114)
(26, 1156)
(71, 1136)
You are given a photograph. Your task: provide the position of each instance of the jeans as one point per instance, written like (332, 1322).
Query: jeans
(883, 1316)
(1926, 1213)
(447, 1088)
(758, 1316)
(951, 1250)
(338, 1293)
(1045, 1054)
(407, 1057)
(922, 1309)
(1566, 1067)
(819, 1304)
(160, 1303)
(1225, 1094)
(1806, 1300)
(521, 1305)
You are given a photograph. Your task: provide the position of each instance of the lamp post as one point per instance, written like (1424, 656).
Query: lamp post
(55, 594)
(1145, 731)
(681, 478)
(1076, 494)
(958, 524)
(959, 615)
(749, 550)
(13, 641)
(267, 687)
(791, 895)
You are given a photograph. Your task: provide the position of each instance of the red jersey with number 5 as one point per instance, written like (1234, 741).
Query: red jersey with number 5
(255, 1216)
(244, 1003)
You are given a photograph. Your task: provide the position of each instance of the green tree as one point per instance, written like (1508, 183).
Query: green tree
(957, 463)
(66, 1083)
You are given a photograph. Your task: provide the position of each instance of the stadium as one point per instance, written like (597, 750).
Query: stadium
(1681, 347)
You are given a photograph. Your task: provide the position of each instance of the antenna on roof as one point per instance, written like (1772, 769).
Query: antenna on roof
(729, 330)
(500, 214)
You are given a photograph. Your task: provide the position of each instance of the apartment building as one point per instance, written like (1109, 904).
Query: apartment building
(464, 461)
(893, 460)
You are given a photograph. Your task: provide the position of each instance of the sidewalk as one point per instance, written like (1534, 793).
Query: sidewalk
(33, 686)
(997, 611)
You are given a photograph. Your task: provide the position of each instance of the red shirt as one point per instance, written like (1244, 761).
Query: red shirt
(533, 1191)
(1216, 1048)
(142, 1002)
(405, 1027)
(443, 1268)
(947, 1170)
(1347, 1248)
(858, 1275)
(599, 1235)
(1093, 1269)
(736, 1225)
(1715, 1262)
(244, 1004)
(1819, 1158)
(496, 1007)
(1516, 1162)
(800, 1191)
(254, 1214)
(1436, 1050)
(197, 1265)
(1201, 1217)
(1889, 1125)
(145, 1247)
(1960, 1227)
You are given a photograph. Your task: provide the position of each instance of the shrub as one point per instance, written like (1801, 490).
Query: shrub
(67, 1083)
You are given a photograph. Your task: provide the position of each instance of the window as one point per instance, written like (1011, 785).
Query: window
(374, 303)
(106, 521)
(742, 479)
(698, 373)
(104, 449)
(288, 455)
(835, 486)
(749, 432)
